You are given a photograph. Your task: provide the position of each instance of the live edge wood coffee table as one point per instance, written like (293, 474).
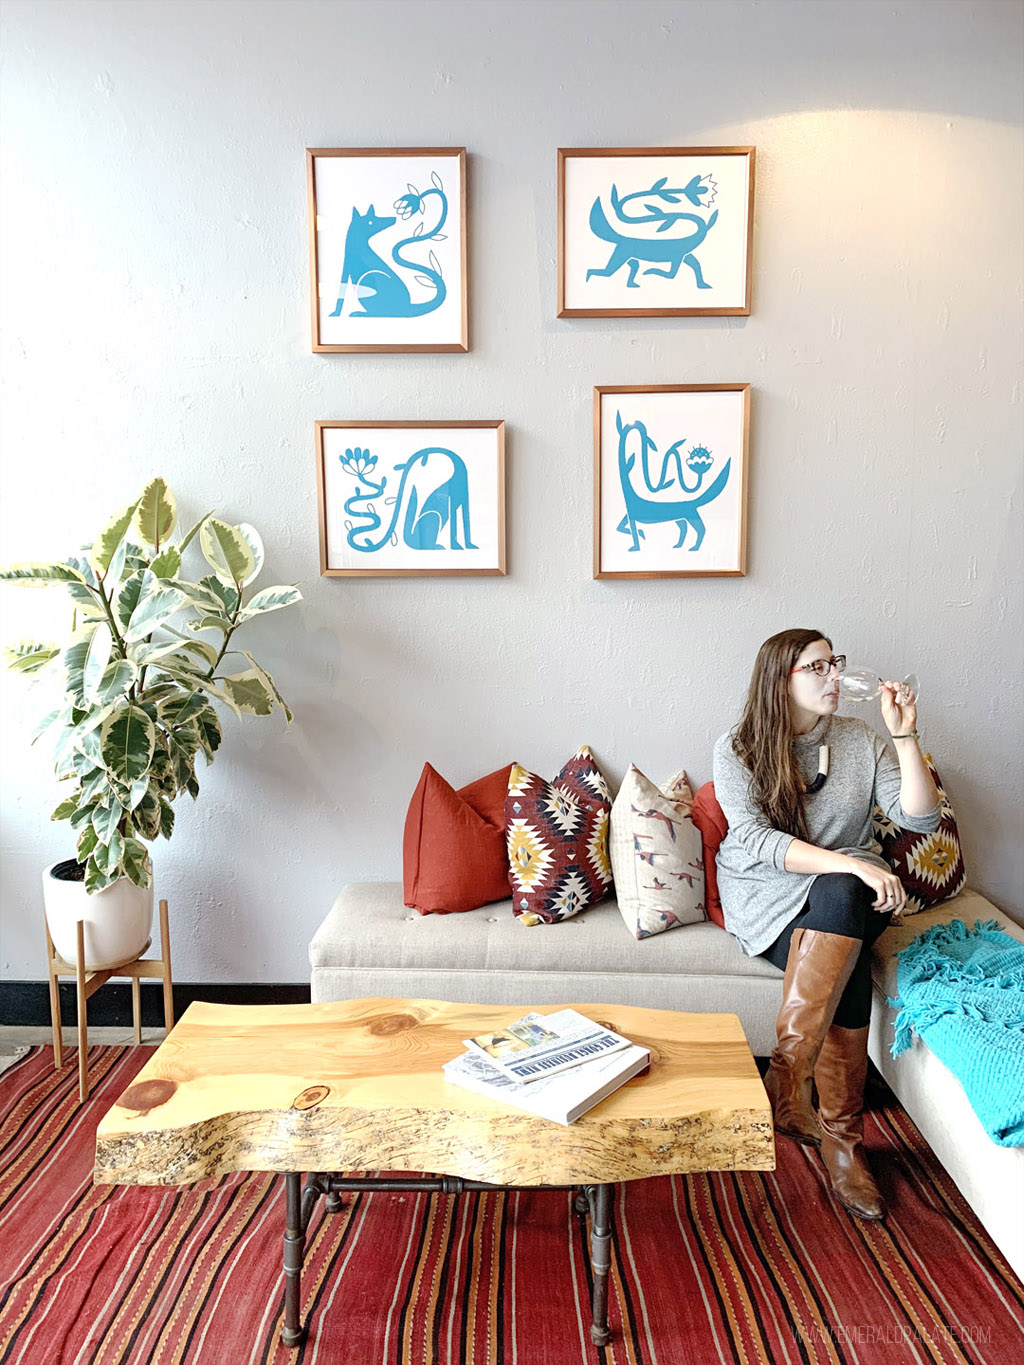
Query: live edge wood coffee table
(357, 1086)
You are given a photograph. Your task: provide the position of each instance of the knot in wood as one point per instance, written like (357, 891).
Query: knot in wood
(392, 1023)
(311, 1096)
(147, 1095)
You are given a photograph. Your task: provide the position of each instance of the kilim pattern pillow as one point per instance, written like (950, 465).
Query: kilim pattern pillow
(930, 866)
(657, 858)
(557, 838)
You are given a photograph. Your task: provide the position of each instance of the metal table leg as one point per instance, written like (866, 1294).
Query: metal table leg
(600, 1200)
(299, 1207)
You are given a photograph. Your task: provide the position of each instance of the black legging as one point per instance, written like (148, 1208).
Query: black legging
(840, 903)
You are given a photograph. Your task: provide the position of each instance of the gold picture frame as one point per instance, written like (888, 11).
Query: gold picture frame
(601, 262)
(387, 301)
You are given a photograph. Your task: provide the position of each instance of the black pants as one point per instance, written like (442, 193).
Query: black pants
(840, 903)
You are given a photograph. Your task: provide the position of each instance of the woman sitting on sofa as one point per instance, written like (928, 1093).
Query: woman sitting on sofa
(803, 883)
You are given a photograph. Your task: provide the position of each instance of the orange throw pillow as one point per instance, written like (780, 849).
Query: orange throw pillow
(710, 819)
(453, 853)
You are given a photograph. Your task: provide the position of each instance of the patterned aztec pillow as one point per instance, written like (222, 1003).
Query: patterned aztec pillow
(656, 853)
(930, 866)
(557, 838)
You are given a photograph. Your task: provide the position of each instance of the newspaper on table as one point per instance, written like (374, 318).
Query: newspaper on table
(564, 1097)
(539, 1045)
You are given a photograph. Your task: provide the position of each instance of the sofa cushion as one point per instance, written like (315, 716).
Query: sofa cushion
(710, 819)
(930, 866)
(656, 854)
(453, 852)
(557, 836)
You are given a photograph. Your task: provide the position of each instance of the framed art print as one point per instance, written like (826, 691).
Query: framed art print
(649, 232)
(387, 248)
(407, 498)
(670, 480)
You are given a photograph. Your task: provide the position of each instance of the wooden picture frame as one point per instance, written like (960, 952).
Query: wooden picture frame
(640, 432)
(653, 270)
(394, 504)
(368, 208)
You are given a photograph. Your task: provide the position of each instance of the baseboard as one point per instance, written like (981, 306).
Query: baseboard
(26, 1004)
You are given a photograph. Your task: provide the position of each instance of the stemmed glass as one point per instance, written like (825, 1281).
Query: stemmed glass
(863, 684)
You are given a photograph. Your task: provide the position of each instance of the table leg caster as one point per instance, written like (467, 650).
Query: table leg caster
(333, 1202)
(600, 1336)
(293, 1336)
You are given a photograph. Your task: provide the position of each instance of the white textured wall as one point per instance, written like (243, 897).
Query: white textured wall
(156, 320)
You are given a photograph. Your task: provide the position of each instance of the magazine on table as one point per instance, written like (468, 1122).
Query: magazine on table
(561, 1098)
(539, 1045)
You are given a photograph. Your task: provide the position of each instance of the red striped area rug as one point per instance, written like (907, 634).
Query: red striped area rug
(723, 1269)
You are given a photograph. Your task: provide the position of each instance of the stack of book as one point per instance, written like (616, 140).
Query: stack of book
(554, 1065)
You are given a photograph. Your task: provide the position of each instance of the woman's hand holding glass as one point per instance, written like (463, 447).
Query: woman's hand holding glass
(899, 708)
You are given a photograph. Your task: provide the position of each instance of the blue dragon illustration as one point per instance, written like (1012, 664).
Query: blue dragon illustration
(642, 511)
(673, 251)
(380, 289)
(445, 475)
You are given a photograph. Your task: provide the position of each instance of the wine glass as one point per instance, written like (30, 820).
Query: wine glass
(863, 684)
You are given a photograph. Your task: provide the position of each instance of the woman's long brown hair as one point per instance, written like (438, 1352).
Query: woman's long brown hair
(764, 736)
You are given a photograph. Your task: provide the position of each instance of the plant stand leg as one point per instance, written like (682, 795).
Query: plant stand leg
(136, 1010)
(165, 957)
(600, 1261)
(293, 1333)
(83, 1035)
(54, 984)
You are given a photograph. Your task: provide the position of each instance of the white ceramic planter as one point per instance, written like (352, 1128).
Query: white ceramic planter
(117, 921)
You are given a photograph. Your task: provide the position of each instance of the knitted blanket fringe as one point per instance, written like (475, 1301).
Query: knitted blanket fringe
(962, 991)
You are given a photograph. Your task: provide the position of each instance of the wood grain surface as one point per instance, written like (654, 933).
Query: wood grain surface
(357, 1085)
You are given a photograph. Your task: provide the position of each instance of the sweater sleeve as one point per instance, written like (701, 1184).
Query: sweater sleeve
(887, 792)
(746, 823)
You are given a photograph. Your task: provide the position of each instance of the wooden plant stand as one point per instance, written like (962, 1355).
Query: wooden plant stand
(88, 982)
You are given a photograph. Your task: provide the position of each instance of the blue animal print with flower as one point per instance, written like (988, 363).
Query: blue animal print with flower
(433, 493)
(668, 253)
(374, 282)
(646, 511)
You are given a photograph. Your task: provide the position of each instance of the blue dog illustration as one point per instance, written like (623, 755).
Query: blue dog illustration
(630, 250)
(435, 475)
(643, 511)
(380, 289)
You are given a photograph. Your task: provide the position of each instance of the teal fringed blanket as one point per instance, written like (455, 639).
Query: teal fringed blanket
(962, 991)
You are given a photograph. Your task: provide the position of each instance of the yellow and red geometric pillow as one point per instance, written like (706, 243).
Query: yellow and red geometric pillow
(930, 866)
(557, 839)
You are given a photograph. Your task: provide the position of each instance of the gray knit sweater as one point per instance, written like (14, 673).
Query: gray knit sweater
(759, 897)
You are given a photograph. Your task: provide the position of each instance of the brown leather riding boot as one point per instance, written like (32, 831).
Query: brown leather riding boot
(840, 1073)
(817, 970)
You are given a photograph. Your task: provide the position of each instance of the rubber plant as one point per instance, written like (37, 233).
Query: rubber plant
(142, 673)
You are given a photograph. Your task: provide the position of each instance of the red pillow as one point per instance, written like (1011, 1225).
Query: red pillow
(453, 852)
(710, 819)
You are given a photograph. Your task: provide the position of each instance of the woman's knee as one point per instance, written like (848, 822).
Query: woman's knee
(842, 902)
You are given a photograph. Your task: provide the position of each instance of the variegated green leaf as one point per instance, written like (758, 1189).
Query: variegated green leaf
(73, 662)
(128, 597)
(105, 820)
(83, 815)
(66, 809)
(139, 788)
(269, 684)
(226, 550)
(135, 862)
(208, 725)
(157, 604)
(107, 856)
(87, 841)
(269, 599)
(152, 650)
(146, 815)
(166, 819)
(167, 562)
(110, 539)
(29, 656)
(95, 786)
(40, 573)
(194, 532)
(211, 623)
(61, 713)
(96, 662)
(252, 538)
(126, 741)
(227, 594)
(157, 513)
(179, 710)
(96, 880)
(116, 680)
(248, 693)
(200, 648)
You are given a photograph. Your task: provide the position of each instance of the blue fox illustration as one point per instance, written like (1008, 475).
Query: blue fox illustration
(381, 290)
(641, 511)
(434, 468)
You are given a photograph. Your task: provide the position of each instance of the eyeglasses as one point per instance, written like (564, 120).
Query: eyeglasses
(822, 667)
